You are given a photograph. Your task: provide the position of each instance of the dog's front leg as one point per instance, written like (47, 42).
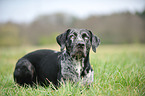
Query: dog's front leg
(88, 78)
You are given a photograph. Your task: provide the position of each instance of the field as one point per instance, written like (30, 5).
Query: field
(119, 70)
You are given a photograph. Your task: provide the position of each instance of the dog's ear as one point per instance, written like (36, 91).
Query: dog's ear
(95, 42)
(61, 39)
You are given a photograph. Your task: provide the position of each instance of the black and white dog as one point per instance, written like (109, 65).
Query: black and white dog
(45, 66)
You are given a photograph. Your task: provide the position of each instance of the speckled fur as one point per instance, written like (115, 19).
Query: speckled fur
(75, 66)
(71, 69)
(45, 66)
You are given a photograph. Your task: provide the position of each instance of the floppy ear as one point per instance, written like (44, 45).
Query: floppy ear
(95, 42)
(61, 39)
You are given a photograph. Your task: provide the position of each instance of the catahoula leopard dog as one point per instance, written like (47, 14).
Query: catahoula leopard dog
(45, 66)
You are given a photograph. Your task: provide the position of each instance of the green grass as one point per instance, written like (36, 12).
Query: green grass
(119, 70)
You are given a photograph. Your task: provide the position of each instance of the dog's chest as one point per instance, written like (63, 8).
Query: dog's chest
(71, 69)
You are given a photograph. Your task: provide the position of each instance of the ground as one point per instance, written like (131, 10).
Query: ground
(118, 70)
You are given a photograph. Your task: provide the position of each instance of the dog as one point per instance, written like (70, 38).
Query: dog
(48, 66)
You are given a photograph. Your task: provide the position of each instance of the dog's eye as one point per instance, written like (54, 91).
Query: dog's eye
(72, 37)
(85, 36)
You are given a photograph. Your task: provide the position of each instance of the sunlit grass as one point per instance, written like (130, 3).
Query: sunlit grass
(118, 70)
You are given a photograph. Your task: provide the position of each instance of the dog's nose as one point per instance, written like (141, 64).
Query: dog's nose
(80, 45)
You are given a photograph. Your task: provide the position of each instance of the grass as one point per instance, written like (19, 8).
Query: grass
(118, 70)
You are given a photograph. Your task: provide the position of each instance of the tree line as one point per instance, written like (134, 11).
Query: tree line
(117, 28)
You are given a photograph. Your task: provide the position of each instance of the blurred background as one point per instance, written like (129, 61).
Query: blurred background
(38, 22)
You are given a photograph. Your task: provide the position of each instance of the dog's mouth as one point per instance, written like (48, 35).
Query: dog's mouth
(79, 53)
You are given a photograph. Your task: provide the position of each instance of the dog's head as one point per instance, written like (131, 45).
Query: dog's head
(78, 42)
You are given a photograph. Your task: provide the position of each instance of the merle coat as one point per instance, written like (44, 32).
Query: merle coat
(45, 66)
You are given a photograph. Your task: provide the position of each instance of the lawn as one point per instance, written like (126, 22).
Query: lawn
(119, 70)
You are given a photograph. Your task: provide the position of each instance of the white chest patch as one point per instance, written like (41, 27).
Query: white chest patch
(71, 69)
(77, 66)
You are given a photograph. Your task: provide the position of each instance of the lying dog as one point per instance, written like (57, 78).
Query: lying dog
(45, 66)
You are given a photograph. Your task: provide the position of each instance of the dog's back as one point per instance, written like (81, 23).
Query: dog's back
(33, 66)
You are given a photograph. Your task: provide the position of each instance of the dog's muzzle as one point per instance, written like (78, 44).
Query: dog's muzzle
(79, 50)
(80, 45)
